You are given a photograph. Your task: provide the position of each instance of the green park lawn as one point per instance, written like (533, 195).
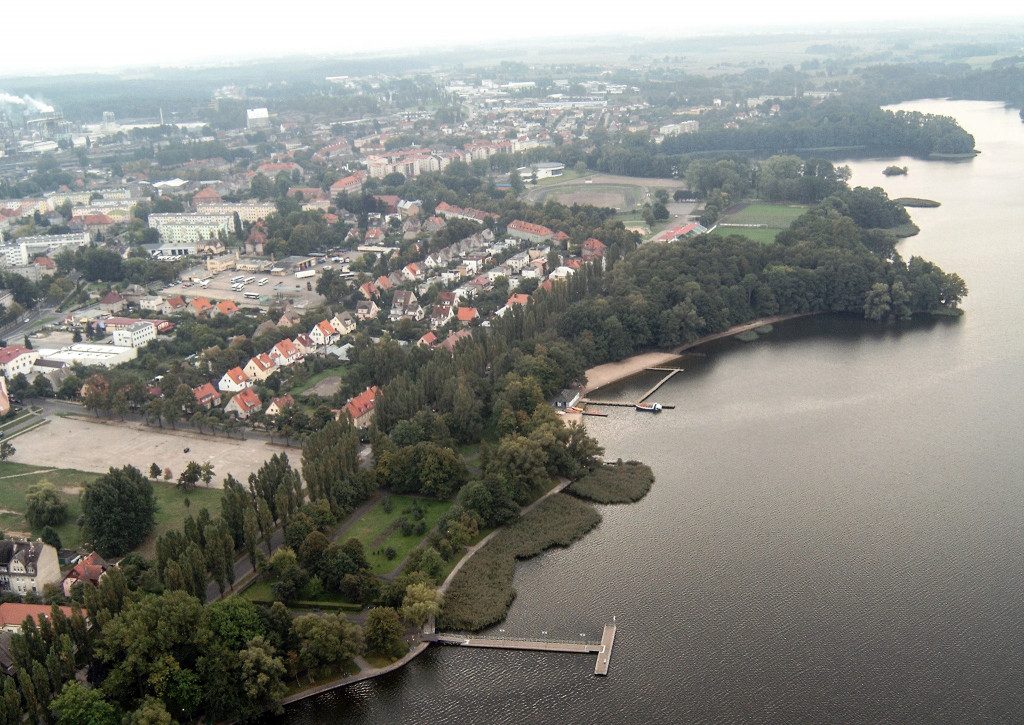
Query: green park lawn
(759, 235)
(774, 217)
(170, 501)
(377, 531)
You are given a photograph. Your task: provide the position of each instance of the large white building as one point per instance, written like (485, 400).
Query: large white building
(24, 249)
(16, 359)
(190, 228)
(89, 354)
(250, 211)
(136, 334)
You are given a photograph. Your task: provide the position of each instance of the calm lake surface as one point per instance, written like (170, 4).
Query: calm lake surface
(836, 532)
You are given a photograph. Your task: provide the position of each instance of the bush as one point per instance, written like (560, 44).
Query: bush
(390, 553)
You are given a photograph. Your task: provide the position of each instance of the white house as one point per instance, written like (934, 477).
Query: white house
(233, 381)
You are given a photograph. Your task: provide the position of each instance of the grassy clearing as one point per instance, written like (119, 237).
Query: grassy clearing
(322, 375)
(482, 591)
(12, 498)
(615, 483)
(759, 235)
(776, 216)
(403, 545)
(171, 510)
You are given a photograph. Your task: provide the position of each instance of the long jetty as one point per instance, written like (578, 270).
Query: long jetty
(661, 382)
(645, 396)
(602, 649)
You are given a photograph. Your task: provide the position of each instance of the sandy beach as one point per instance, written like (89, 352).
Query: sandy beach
(601, 375)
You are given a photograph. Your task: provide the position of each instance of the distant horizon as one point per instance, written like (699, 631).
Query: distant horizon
(74, 46)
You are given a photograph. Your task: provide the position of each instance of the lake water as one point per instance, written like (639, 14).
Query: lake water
(836, 532)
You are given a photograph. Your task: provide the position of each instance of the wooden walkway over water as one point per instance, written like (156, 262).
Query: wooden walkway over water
(602, 649)
(619, 404)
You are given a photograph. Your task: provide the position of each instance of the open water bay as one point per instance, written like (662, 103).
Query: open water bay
(836, 532)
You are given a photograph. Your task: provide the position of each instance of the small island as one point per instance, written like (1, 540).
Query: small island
(895, 171)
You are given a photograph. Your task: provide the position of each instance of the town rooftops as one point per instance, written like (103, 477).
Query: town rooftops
(10, 353)
(362, 403)
(12, 614)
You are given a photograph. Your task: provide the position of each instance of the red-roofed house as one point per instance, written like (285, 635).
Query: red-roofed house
(593, 249)
(350, 184)
(207, 395)
(89, 569)
(517, 299)
(17, 359)
(465, 314)
(453, 339)
(383, 283)
(428, 340)
(12, 614)
(234, 380)
(279, 404)
(173, 306)
(368, 290)
(200, 306)
(323, 333)
(226, 307)
(412, 272)
(285, 353)
(360, 408)
(260, 367)
(390, 202)
(112, 302)
(305, 344)
(244, 404)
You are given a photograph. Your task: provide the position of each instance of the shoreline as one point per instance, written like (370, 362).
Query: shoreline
(605, 374)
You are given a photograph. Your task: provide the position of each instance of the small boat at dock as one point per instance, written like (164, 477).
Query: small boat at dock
(649, 407)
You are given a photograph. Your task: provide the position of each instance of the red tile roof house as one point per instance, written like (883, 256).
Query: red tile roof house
(279, 404)
(173, 306)
(12, 614)
(244, 404)
(285, 353)
(234, 380)
(207, 395)
(89, 569)
(227, 308)
(360, 408)
(260, 367)
(323, 333)
(200, 306)
(467, 314)
(112, 302)
(517, 299)
(428, 340)
(305, 344)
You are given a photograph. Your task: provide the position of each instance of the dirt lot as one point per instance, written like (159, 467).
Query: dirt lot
(97, 445)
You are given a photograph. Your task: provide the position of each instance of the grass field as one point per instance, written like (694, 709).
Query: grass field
(322, 375)
(170, 501)
(617, 196)
(377, 530)
(773, 217)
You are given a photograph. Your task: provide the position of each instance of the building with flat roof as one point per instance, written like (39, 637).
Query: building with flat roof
(136, 334)
(84, 353)
(24, 249)
(191, 228)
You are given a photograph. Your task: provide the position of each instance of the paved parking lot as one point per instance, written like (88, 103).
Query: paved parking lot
(89, 445)
(279, 290)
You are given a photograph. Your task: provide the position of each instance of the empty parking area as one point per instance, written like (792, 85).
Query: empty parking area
(87, 445)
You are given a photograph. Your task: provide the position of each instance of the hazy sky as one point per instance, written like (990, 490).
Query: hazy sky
(139, 33)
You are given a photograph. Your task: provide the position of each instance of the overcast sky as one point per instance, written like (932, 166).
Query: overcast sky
(66, 36)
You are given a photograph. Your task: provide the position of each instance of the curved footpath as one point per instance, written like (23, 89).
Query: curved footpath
(428, 629)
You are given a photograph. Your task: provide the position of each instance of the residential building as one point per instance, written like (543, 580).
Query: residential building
(17, 359)
(534, 233)
(344, 323)
(405, 306)
(226, 308)
(200, 306)
(360, 408)
(367, 310)
(285, 353)
(305, 344)
(191, 228)
(244, 403)
(27, 566)
(14, 614)
(261, 367)
(323, 333)
(234, 380)
(279, 404)
(89, 569)
(173, 306)
(207, 395)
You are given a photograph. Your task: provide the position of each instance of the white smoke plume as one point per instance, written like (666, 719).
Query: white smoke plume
(38, 105)
(30, 103)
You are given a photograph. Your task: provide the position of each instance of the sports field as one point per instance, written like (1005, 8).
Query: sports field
(759, 222)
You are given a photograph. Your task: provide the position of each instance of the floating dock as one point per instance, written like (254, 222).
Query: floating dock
(619, 404)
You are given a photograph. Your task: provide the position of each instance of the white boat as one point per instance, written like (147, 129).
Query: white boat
(649, 407)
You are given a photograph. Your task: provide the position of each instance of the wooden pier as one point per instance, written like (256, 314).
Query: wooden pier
(661, 382)
(602, 649)
(617, 404)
